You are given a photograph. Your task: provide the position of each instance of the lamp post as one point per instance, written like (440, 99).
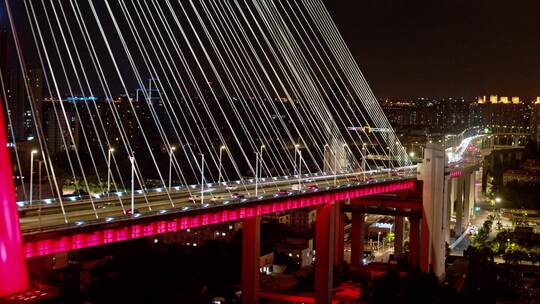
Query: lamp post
(132, 160)
(171, 152)
(378, 241)
(299, 170)
(261, 160)
(325, 161)
(202, 178)
(389, 158)
(111, 150)
(364, 150)
(223, 147)
(39, 179)
(32, 173)
(256, 173)
(345, 147)
(335, 167)
(296, 146)
(258, 168)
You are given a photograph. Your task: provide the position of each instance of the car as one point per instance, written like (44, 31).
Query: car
(216, 198)
(282, 192)
(104, 205)
(237, 195)
(313, 187)
(231, 187)
(368, 257)
(130, 212)
(297, 187)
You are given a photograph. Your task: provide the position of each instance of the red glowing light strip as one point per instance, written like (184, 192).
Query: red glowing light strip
(455, 173)
(83, 240)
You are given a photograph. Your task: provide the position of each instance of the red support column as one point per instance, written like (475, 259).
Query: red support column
(324, 253)
(414, 242)
(251, 243)
(357, 238)
(398, 236)
(13, 272)
(339, 235)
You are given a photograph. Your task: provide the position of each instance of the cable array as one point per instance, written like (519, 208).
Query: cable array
(180, 95)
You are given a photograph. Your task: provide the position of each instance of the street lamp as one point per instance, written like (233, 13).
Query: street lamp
(296, 146)
(335, 167)
(261, 160)
(223, 147)
(300, 170)
(378, 241)
(31, 173)
(132, 160)
(39, 178)
(111, 150)
(325, 161)
(202, 178)
(345, 146)
(498, 199)
(258, 168)
(389, 159)
(171, 152)
(364, 155)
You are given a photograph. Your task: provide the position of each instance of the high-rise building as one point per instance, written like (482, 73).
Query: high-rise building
(500, 111)
(23, 122)
(60, 125)
(535, 121)
(435, 115)
(3, 51)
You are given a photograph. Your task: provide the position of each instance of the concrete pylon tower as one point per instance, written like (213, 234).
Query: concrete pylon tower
(434, 226)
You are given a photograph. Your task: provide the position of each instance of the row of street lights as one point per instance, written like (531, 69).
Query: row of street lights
(258, 168)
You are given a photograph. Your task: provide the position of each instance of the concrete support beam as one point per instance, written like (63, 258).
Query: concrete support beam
(339, 235)
(453, 194)
(433, 230)
(398, 236)
(414, 242)
(324, 253)
(466, 199)
(472, 197)
(357, 238)
(459, 207)
(448, 203)
(251, 246)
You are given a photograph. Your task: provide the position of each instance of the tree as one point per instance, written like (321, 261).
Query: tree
(389, 238)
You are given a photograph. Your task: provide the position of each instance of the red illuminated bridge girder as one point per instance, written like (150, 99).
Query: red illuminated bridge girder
(77, 238)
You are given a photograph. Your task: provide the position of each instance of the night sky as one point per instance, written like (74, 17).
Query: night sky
(444, 48)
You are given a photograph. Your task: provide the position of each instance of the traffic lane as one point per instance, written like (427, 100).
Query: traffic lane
(86, 213)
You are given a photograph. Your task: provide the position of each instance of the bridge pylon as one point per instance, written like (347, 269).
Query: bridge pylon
(13, 271)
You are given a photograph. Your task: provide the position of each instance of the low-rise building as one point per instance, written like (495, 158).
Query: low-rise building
(278, 218)
(198, 236)
(302, 220)
(298, 248)
(521, 176)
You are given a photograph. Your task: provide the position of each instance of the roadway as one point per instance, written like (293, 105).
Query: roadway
(117, 206)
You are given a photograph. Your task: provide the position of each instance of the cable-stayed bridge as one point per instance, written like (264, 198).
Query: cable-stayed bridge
(147, 117)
